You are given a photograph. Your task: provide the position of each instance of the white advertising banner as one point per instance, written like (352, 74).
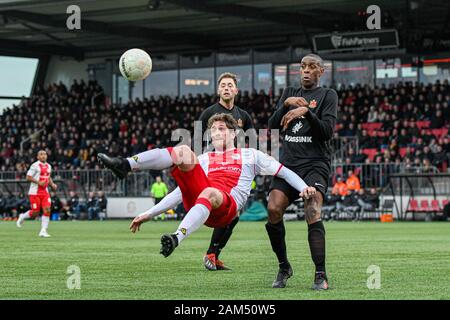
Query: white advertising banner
(128, 207)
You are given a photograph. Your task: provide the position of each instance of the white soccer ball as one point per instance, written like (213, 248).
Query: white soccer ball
(135, 64)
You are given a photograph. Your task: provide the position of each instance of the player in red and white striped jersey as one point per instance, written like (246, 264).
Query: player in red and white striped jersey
(39, 175)
(213, 187)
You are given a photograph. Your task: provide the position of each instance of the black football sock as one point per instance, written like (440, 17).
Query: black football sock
(316, 239)
(226, 236)
(125, 165)
(277, 234)
(215, 239)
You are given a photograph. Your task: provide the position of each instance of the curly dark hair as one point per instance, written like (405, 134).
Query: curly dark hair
(230, 122)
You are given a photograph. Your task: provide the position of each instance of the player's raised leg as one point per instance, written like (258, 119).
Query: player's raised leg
(208, 200)
(316, 239)
(277, 204)
(156, 159)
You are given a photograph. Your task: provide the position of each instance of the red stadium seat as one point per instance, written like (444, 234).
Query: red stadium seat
(370, 153)
(413, 206)
(444, 203)
(435, 205)
(439, 133)
(371, 126)
(425, 206)
(422, 124)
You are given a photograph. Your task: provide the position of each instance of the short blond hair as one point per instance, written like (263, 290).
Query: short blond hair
(227, 75)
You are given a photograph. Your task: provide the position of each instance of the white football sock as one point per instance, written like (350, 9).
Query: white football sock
(192, 221)
(44, 222)
(156, 159)
(26, 215)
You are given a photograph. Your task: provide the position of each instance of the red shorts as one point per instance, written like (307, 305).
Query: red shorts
(192, 183)
(39, 201)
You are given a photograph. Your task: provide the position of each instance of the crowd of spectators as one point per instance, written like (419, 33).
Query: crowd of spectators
(405, 122)
(12, 205)
(93, 207)
(349, 200)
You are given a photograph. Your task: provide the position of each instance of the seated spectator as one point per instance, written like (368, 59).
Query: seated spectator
(367, 202)
(440, 158)
(364, 140)
(352, 181)
(360, 157)
(102, 204)
(348, 165)
(348, 205)
(426, 166)
(373, 115)
(331, 200)
(10, 207)
(22, 204)
(92, 206)
(413, 131)
(426, 137)
(74, 205)
(437, 120)
(57, 208)
(427, 154)
(340, 187)
(409, 112)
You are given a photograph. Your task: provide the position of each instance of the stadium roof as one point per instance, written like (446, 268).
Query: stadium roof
(39, 27)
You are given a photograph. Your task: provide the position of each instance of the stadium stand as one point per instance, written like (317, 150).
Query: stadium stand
(402, 126)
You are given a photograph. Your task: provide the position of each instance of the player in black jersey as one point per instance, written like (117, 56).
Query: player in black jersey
(306, 117)
(227, 90)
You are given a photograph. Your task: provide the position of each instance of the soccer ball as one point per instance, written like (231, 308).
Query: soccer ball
(135, 64)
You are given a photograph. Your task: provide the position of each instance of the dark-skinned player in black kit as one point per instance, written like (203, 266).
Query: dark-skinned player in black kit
(306, 117)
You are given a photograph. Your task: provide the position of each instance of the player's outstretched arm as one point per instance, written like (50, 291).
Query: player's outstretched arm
(168, 202)
(267, 165)
(295, 181)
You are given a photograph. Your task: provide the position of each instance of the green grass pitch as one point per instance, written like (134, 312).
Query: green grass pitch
(414, 260)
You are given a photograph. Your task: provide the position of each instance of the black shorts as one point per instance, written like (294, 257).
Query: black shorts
(313, 176)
